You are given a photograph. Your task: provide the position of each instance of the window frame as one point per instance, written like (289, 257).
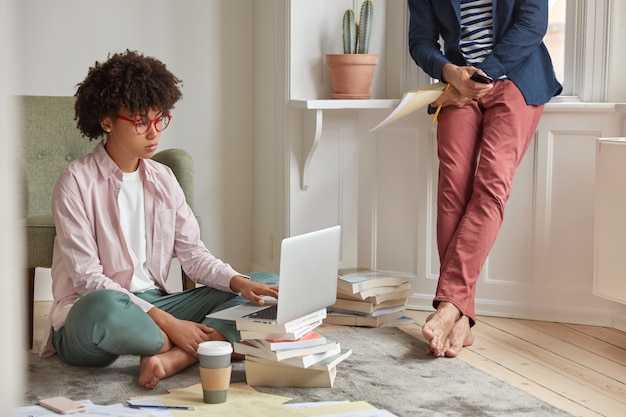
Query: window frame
(586, 51)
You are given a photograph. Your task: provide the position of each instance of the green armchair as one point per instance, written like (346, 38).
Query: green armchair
(50, 140)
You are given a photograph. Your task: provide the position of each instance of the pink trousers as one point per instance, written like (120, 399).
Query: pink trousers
(480, 146)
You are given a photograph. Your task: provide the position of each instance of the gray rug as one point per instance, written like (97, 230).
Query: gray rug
(388, 368)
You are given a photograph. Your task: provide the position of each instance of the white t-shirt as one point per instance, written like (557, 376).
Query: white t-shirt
(133, 221)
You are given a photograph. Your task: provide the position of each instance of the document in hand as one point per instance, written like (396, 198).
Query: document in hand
(413, 100)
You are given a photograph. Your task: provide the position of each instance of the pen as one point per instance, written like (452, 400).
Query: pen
(162, 407)
(439, 106)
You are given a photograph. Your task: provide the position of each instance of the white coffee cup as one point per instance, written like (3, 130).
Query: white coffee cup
(215, 370)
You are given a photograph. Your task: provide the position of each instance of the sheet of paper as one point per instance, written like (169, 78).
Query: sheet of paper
(316, 404)
(240, 402)
(153, 400)
(93, 410)
(337, 409)
(119, 410)
(365, 413)
(412, 101)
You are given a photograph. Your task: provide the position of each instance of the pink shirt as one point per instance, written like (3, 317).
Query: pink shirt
(90, 251)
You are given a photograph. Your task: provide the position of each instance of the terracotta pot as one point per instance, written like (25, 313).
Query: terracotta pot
(351, 74)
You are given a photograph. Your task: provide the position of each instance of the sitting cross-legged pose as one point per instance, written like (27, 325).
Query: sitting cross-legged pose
(483, 131)
(119, 217)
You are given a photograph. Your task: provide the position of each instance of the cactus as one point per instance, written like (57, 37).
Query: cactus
(365, 27)
(349, 32)
(356, 36)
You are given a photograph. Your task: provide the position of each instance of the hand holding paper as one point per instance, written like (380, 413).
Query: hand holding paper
(412, 101)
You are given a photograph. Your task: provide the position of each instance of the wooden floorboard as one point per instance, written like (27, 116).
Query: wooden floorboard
(582, 340)
(561, 375)
(590, 369)
(611, 336)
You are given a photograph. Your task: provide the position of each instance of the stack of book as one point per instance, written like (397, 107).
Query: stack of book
(292, 354)
(368, 298)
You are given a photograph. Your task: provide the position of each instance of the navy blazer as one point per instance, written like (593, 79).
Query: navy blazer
(518, 50)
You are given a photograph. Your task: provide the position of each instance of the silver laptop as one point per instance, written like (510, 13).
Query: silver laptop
(309, 266)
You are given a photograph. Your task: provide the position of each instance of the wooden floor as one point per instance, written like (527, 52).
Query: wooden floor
(580, 369)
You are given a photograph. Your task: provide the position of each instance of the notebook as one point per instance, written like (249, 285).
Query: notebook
(307, 281)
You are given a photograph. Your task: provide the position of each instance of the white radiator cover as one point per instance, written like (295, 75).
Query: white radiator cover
(609, 279)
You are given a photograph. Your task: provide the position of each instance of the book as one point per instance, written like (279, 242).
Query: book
(375, 313)
(279, 375)
(287, 327)
(307, 361)
(361, 281)
(331, 361)
(294, 335)
(325, 364)
(310, 339)
(254, 347)
(362, 321)
(365, 307)
(413, 100)
(391, 291)
(380, 298)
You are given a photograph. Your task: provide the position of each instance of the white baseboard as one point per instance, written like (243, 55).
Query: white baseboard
(560, 314)
(619, 317)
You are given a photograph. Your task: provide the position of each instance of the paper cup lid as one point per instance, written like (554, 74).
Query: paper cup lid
(215, 348)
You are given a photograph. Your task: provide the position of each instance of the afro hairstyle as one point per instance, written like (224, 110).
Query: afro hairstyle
(129, 81)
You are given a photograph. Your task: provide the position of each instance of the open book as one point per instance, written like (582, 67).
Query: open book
(413, 100)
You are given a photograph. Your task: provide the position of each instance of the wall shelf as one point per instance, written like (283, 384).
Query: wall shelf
(332, 104)
(313, 120)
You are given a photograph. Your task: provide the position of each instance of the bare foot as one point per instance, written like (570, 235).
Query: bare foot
(459, 337)
(164, 364)
(151, 371)
(438, 326)
(154, 368)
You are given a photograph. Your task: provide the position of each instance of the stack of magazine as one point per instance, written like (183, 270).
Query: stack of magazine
(368, 298)
(292, 354)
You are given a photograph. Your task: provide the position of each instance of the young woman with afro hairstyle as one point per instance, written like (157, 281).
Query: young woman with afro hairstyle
(119, 217)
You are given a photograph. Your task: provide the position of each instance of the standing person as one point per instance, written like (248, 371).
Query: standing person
(482, 134)
(119, 217)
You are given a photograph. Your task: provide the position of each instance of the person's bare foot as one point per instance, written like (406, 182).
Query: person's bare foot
(154, 368)
(151, 371)
(460, 336)
(167, 362)
(438, 326)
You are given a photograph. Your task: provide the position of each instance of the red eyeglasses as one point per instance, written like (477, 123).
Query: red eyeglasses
(143, 125)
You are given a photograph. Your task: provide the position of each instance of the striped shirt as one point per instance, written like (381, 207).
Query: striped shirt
(476, 30)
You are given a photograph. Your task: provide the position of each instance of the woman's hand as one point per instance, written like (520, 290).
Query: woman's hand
(252, 290)
(183, 333)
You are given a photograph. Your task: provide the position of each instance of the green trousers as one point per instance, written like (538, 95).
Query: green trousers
(105, 324)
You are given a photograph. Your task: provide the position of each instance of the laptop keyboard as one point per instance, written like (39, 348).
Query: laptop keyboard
(268, 313)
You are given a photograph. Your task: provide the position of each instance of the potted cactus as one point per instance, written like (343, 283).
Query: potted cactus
(352, 72)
